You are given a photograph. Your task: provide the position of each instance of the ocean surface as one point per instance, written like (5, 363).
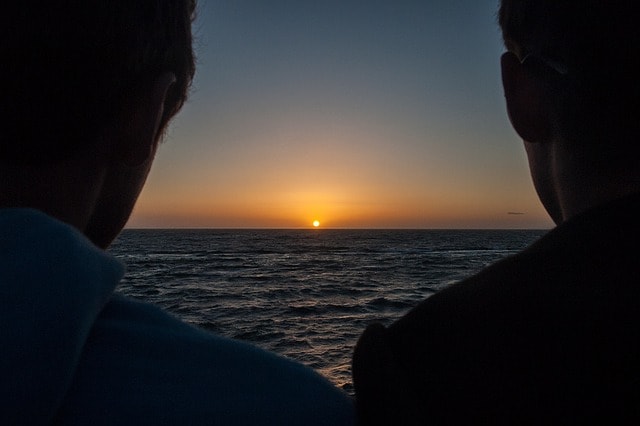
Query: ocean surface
(306, 294)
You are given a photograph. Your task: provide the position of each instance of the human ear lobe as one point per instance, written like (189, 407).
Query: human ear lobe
(142, 124)
(526, 99)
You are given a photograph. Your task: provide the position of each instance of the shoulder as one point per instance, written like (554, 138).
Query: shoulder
(532, 327)
(510, 304)
(54, 285)
(139, 356)
(440, 350)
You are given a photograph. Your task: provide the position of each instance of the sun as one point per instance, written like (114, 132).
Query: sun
(316, 223)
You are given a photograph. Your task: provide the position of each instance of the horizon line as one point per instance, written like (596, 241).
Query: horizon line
(318, 229)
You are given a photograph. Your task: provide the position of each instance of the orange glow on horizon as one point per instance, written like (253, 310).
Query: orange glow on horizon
(291, 198)
(386, 211)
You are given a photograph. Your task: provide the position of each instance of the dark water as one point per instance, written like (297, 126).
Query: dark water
(306, 294)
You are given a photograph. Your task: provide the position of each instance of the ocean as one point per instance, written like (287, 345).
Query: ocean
(309, 293)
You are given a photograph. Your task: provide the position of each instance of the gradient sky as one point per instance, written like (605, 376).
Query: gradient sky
(359, 114)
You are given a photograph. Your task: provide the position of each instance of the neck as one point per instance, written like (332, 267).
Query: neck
(66, 190)
(585, 180)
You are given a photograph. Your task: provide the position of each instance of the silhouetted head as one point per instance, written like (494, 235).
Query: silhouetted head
(70, 67)
(588, 50)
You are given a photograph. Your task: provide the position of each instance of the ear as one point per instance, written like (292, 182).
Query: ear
(141, 126)
(526, 98)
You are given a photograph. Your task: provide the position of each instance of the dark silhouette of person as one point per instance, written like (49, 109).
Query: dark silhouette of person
(550, 335)
(87, 89)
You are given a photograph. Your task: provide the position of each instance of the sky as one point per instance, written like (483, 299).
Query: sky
(357, 114)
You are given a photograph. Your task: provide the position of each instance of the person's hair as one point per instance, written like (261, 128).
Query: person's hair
(597, 43)
(68, 68)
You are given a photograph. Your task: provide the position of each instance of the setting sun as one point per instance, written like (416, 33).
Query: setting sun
(316, 223)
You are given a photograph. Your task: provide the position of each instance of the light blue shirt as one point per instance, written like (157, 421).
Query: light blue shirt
(75, 353)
